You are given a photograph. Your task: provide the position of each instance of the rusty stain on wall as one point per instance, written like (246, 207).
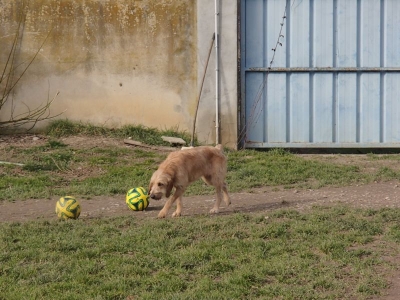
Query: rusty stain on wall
(114, 62)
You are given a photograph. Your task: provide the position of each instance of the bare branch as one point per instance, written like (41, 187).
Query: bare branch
(26, 68)
(29, 116)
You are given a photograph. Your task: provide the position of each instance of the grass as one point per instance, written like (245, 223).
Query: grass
(147, 135)
(253, 169)
(55, 168)
(328, 253)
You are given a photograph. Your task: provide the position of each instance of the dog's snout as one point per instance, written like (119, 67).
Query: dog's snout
(152, 196)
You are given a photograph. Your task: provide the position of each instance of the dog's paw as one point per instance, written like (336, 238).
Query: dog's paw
(161, 215)
(176, 214)
(214, 211)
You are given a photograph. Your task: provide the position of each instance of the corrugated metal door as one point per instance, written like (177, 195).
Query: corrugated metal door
(334, 81)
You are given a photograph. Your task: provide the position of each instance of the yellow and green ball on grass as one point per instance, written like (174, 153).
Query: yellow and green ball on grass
(137, 199)
(68, 207)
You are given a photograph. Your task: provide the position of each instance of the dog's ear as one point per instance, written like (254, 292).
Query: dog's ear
(170, 185)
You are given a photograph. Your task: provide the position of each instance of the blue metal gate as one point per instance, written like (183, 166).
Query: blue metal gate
(333, 83)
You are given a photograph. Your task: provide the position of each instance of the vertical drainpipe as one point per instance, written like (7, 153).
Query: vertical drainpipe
(217, 139)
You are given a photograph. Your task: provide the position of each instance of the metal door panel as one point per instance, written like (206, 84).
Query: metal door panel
(346, 34)
(391, 41)
(392, 108)
(298, 35)
(255, 53)
(322, 108)
(322, 55)
(347, 108)
(253, 108)
(276, 105)
(273, 25)
(299, 108)
(370, 33)
(370, 112)
(334, 80)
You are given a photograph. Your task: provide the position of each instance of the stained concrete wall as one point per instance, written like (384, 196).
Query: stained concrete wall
(228, 70)
(124, 61)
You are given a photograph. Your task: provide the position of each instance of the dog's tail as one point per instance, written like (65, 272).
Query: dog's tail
(220, 147)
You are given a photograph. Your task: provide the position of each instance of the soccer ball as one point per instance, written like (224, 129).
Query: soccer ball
(68, 208)
(137, 199)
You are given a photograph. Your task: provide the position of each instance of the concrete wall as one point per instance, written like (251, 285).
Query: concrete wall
(124, 61)
(228, 71)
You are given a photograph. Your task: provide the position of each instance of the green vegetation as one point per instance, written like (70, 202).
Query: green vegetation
(147, 135)
(56, 168)
(253, 169)
(328, 253)
(63, 170)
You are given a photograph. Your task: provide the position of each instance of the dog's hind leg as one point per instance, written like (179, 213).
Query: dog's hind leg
(218, 199)
(178, 193)
(227, 199)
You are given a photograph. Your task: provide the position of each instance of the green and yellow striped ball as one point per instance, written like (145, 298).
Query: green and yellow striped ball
(68, 208)
(137, 199)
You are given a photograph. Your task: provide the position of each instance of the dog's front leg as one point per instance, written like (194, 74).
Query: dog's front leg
(178, 210)
(163, 213)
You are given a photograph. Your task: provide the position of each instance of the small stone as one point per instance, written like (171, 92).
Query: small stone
(173, 140)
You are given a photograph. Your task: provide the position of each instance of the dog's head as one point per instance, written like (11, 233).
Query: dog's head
(161, 184)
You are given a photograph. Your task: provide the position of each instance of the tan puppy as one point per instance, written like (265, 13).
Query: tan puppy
(181, 168)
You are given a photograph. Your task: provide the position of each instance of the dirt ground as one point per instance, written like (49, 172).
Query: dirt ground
(375, 195)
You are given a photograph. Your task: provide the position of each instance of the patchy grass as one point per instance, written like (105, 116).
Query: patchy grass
(113, 170)
(328, 253)
(65, 170)
(147, 135)
(252, 168)
(55, 168)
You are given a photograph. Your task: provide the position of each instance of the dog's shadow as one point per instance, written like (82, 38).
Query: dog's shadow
(152, 208)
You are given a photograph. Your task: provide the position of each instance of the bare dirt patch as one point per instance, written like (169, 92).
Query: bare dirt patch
(374, 196)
